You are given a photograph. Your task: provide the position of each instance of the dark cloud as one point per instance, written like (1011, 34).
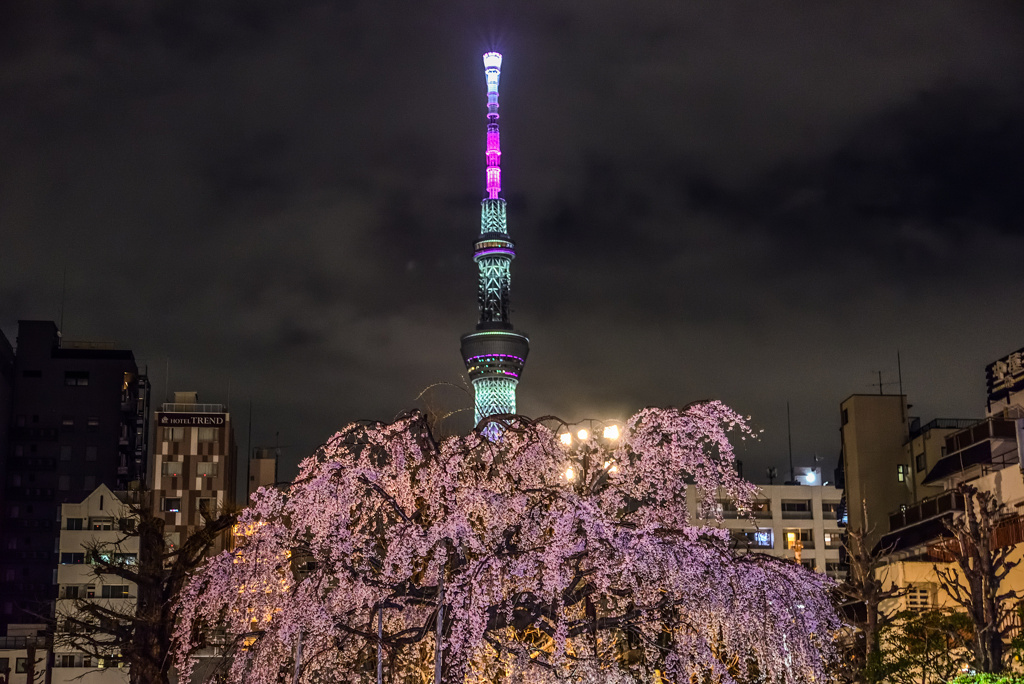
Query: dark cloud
(761, 204)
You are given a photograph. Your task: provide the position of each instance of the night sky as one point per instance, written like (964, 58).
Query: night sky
(755, 202)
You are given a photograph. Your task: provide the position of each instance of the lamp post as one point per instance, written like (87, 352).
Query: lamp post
(588, 450)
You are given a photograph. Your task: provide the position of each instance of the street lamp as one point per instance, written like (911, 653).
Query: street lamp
(589, 453)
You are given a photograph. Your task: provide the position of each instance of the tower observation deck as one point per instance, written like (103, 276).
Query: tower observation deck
(494, 353)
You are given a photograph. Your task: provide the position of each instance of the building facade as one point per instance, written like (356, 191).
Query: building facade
(78, 419)
(98, 524)
(194, 465)
(262, 469)
(798, 522)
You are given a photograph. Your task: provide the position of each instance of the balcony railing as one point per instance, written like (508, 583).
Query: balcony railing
(192, 408)
(1007, 532)
(20, 642)
(979, 432)
(925, 509)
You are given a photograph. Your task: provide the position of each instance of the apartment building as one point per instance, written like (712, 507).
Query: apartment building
(98, 525)
(77, 414)
(798, 522)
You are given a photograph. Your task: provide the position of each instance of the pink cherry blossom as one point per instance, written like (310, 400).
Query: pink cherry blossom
(601, 577)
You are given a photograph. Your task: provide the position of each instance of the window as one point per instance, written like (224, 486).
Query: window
(206, 469)
(65, 660)
(919, 462)
(92, 424)
(800, 509)
(207, 434)
(76, 378)
(115, 591)
(71, 591)
(101, 523)
(72, 558)
(21, 665)
(75, 523)
(207, 504)
(174, 434)
(89, 483)
(792, 535)
(830, 509)
(91, 452)
(919, 597)
(172, 504)
(901, 472)
(172, 468)
(125, 558)
(68, 423)
(64, 483)
(809, 564)
(833, 540)
(5, 663)
(65, 452)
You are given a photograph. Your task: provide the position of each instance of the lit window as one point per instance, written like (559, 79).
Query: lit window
(901, 472)
(172, 504)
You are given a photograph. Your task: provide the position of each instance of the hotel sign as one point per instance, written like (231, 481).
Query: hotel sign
(1005, 376)
(192, 420)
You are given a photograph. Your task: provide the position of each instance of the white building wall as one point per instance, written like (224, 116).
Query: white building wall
(778, 522)
(99, 513)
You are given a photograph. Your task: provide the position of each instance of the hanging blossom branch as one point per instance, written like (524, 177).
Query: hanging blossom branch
(559, 563)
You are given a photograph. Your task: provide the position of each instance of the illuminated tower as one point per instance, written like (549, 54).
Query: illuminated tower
(494, 354)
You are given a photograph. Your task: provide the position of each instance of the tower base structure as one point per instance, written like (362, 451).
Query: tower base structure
(495, 360)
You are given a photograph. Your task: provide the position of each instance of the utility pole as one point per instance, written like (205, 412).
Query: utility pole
(298, 658)
(440, 628)
(789, 430)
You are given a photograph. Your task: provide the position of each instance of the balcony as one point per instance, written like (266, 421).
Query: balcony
(925, 509)
(988, 443)
(1007, 532)
(942, 424)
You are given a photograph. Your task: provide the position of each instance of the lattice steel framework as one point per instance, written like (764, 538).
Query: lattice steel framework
(495, 354)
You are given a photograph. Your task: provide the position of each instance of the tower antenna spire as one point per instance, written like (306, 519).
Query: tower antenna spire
(494, 353)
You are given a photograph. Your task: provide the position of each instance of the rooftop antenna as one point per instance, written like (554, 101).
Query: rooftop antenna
(63, 296)
(903, 399)
(789, 430)
(772, 473)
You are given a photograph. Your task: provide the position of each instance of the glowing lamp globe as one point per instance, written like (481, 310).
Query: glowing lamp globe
(492, 60)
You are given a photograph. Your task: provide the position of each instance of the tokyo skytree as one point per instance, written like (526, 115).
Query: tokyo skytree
(494, 353)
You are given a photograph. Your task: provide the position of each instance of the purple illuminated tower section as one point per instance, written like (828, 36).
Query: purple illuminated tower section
(495, 353)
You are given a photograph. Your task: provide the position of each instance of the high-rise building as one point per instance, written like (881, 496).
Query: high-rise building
(78, 420)
(194, 464)
(495, 353)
